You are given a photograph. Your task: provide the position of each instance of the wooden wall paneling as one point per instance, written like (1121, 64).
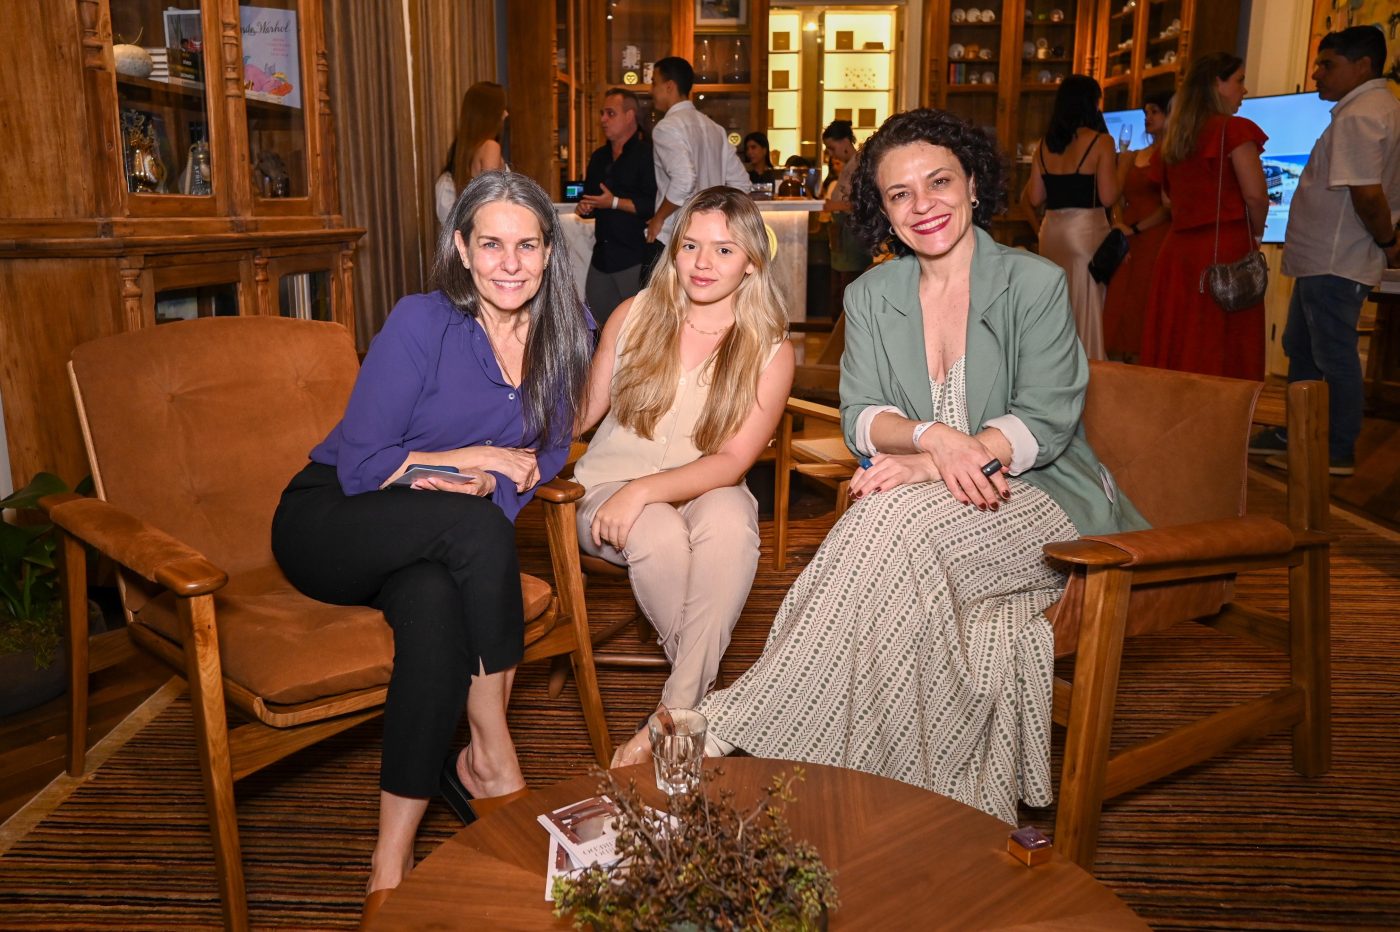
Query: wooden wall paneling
(531, 100)
(46, 171)
(50, 306)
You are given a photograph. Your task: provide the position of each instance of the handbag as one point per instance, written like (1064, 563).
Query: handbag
(1110, 254)
(1242, 283)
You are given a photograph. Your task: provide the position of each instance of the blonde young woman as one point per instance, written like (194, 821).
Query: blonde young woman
(476, 148)
(692, 375)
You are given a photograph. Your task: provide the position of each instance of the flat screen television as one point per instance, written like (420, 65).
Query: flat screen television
(1293, 122)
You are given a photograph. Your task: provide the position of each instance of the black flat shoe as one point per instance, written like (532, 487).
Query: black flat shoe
(454, 792)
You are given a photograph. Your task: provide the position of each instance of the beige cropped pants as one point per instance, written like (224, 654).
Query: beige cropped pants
(691, 567)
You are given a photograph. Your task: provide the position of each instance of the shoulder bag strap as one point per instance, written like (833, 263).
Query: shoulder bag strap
(1220, 191)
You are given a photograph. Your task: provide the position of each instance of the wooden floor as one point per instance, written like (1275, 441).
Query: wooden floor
(32, 743)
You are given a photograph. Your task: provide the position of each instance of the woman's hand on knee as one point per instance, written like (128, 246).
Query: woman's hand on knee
(959, 460)
(891, 470)
(613, 521)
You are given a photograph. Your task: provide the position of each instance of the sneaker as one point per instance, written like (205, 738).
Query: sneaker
(1335, 467)
(1269, 442)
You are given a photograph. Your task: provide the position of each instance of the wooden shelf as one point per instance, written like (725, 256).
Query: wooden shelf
(179, 87)
(996, 25)
(1157, 70)
(1036, 87)
(1163, 40)
(973, 88)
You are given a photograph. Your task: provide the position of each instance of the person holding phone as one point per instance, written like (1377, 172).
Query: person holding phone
(693, 374)
(485, 375)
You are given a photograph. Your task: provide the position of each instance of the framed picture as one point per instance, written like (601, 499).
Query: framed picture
(721, 13)
(183, 30)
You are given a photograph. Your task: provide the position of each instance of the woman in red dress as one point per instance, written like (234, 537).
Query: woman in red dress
(1186, 329)
(1144, 219)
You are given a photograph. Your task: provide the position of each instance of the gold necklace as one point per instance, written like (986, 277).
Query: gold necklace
(708, 333)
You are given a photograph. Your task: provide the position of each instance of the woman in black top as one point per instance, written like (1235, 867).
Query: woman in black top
(1074, 178)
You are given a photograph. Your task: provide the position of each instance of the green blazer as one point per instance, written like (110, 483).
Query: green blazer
(1023, 358)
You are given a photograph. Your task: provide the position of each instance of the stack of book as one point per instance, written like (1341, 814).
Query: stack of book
(161, 64)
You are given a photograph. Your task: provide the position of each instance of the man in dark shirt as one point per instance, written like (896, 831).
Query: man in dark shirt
(620, 191)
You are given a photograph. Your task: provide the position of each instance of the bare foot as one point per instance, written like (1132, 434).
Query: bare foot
(634, 751)
(484, 778)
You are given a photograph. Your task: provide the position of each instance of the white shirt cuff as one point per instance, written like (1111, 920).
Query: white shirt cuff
(1024, 448)
(864, 445)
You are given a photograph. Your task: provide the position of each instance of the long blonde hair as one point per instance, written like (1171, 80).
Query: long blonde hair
(480, 118)
(645, 387)
(1195, 103)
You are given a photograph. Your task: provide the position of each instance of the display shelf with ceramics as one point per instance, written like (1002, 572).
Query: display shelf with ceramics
(1001, 75)
(1143, 46)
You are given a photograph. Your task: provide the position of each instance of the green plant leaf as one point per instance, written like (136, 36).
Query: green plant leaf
(44, 483)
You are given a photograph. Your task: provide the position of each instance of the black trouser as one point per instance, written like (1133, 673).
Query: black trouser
(442, 567)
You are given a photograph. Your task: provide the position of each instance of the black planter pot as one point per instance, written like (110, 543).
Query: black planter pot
(22, 686)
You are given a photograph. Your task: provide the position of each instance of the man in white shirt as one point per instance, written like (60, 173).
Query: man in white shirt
(692, 151)
(1341, 232)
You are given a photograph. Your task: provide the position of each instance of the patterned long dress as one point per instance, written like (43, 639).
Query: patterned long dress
(915, 645)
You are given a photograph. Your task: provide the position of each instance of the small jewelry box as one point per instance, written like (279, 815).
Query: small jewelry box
(1029, 846)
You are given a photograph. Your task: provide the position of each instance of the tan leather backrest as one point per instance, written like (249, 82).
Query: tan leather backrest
(197, 426)
(1176, 442)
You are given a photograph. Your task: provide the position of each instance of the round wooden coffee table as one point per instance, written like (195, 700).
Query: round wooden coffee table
(903, 858)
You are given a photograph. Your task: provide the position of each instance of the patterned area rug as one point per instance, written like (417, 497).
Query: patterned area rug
(1240, 842)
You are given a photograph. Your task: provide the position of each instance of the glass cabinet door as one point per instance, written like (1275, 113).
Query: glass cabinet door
(974, 64)
(162, 103)
(276, 93)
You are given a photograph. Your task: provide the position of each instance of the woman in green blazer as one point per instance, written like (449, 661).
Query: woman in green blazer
(916, 645)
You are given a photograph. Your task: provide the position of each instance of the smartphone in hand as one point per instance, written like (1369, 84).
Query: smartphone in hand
(417, 471)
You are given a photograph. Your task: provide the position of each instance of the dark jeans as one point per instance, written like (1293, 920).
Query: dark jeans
(442, 568)
(1320, 340)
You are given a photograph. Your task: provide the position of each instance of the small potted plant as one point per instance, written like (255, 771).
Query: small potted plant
(709, 867)
(31, 604)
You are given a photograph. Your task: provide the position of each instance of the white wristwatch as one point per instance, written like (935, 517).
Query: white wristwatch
(919, 430)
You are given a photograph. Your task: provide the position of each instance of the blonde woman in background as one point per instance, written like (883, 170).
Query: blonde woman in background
(477, 146)
(692, 375)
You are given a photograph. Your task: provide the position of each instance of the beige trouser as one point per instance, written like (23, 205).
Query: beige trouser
(691, 567)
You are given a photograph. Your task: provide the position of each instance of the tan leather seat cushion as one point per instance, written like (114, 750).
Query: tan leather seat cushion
(287, 648)
(1150, 608)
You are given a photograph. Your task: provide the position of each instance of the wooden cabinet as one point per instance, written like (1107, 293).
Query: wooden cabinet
(1001, 72)
(1144, 46)
(190, 172)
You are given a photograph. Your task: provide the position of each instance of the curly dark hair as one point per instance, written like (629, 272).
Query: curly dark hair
(977, 153)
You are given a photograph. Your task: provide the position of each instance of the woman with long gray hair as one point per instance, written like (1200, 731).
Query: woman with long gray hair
(485, 375)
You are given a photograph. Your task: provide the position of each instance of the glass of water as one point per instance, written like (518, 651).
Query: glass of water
(677, 748)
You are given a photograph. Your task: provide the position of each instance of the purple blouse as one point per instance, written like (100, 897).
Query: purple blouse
(430, 383)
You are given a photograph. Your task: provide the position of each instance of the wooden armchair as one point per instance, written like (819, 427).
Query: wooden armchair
(824, 458)
(192, 431)
(1176, 444)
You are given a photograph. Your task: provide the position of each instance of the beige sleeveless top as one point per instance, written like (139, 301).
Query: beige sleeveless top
(618, 454)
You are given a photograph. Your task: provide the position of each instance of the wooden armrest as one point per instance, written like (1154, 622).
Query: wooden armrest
(1085, 552)
(135, 544)
(812, 409)
(1202, 541)
(559, 492)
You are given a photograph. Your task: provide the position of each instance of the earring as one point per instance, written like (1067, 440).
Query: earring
(975, 203)
(891, 228)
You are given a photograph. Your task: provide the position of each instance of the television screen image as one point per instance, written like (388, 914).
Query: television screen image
(1293, 123)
